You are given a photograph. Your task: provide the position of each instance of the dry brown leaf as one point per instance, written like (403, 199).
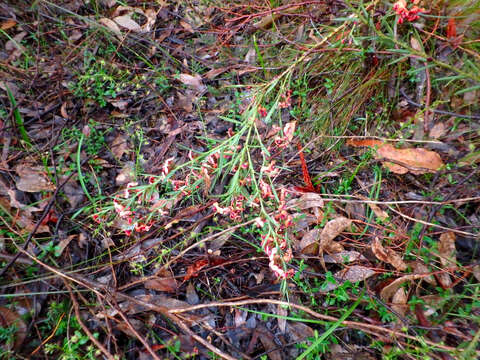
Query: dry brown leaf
(33, 179)
(476, 272)
(185, 101)
(8, 24)
(416, 160)
(388, 291)
(470, 97)
(447, 250)
(415, 44)
(15, 202)
(343, 257)
(399, 301)
(309, 243)
(194, 82)
(126, 22)
(388, 255)
(299, 331)
(446, 254)
(187, 26)
(438, 130)
(379, 213)
(151, 16)
(63, 110)
(333, 247)
(24, 219)
(212, 74)
(13, 44)
(240, 318)
(251, 56)
(163, 281)
(282, 313)
(126, 174)
(270, 346)
(332, 229)
(63, 243)
(420, 268)
(353, 274)
(112, 25)
(306, 201)
(191, 294)
(10, 318)
(120, 146)
(119, 104)
(219, 241)
(75, 35)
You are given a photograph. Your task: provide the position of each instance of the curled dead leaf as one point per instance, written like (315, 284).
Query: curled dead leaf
(127, 22)
(7, 24)
(419, 267)
(379, 213)
(388, 291)
(447, 250)
(33, 179)
(399, 301)
(388, 255)
(333, 247)
(416, 160)
(343, 257)
(269, 345)
(10, 318)
(438, 130)
(446, 254)
(111, 25)
(120, 145)
(353, 274)
(163, 281)
(332, 229)
(309, 243)
(194, 81)
(306, 201)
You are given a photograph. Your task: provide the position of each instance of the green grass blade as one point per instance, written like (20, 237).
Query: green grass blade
(79, 170)
(18, 118)
(331, 329)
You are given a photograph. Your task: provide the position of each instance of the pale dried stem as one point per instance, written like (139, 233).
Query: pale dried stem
(464, 233)
(369, 328)
(97, 287)
(76, 308)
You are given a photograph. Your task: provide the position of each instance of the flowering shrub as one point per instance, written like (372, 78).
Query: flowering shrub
(400, 7)
(138, 203)
(274, 242)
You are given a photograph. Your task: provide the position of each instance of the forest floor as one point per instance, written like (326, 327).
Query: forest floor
(239, 180)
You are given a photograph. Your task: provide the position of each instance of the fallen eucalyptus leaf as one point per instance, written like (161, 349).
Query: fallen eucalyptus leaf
(416, 160)
(353, 274)
(388, 255)
(194, 82)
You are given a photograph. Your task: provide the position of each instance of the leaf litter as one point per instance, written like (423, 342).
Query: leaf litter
(151, 98)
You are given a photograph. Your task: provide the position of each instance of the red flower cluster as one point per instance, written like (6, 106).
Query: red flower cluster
(271, 245)
(400, 7)
(262, 111)
(234, 210)
(126, 213)
(288, 131)
(287, 101)
(271, 249)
